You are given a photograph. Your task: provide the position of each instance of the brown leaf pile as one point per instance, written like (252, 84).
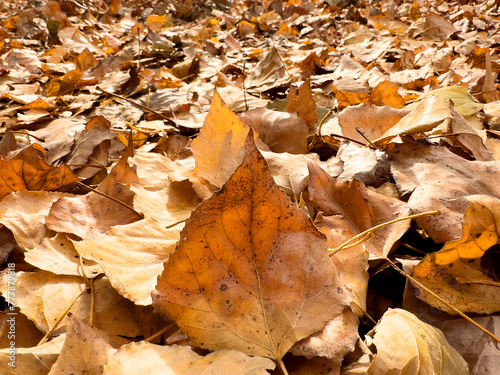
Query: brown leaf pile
(178, 180)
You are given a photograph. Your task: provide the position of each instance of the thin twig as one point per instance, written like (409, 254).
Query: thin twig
(364, 233)
(59, 319)
(159, 333)
(364, 136)
(140, 214)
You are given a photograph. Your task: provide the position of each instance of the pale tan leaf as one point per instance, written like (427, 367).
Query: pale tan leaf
(281, 131)
(58, 255)
(43, 297)
(430, 112)
(146, 358)
(406, 345)
(132, 256)
(24, 213)
(440, 180)
(85, 351)
(170, 205)
(36, 360)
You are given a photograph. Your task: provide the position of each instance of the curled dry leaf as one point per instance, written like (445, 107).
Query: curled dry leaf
(146, 358)
(301, 101)
(58, 255)
(333, 342)
(463, 271)
(431, 112)
(281, 131)
(251, 272)
(24, 213)
(372, 120)
(405, 345)
(27, 171)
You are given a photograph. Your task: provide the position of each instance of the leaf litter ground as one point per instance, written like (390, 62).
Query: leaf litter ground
(175, 175)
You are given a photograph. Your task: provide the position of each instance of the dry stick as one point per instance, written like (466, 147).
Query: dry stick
(393, 265)
(497, 339)
(174, 224)
(140, 214)
(364, 233)
(90, 285)
(244, 90)
(47, 335)
(284, 66)
(92, 303)
(364, 136)
(370, 318)
(160, 332)
(143, 107)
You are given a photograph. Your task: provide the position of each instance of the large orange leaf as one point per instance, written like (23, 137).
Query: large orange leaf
(251, 272)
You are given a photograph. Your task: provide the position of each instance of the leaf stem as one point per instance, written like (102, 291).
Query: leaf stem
(364, 233)
(140, 214)
(59, 319)
(420, 285)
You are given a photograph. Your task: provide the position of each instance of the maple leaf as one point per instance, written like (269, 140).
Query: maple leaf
(251, 272)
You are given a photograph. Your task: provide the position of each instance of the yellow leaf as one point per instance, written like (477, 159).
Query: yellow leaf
(406, 345)
(463, 271)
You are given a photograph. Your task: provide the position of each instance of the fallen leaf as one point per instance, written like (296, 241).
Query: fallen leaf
(405, 345)
(356, 209)
(86, 349)
(386, 93)
(146, 358)
(132, 256)
(218, 149)
(93, 214)
(431, 112)
(43, 297)
(333, 342)
(301, 101)
(281, 131)
(373, 121)
(246, 264)
(27, 171)
(440, 180)
(57, 254)
(24, 213)
(463, 271)
(463, 102)
(35, 360)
